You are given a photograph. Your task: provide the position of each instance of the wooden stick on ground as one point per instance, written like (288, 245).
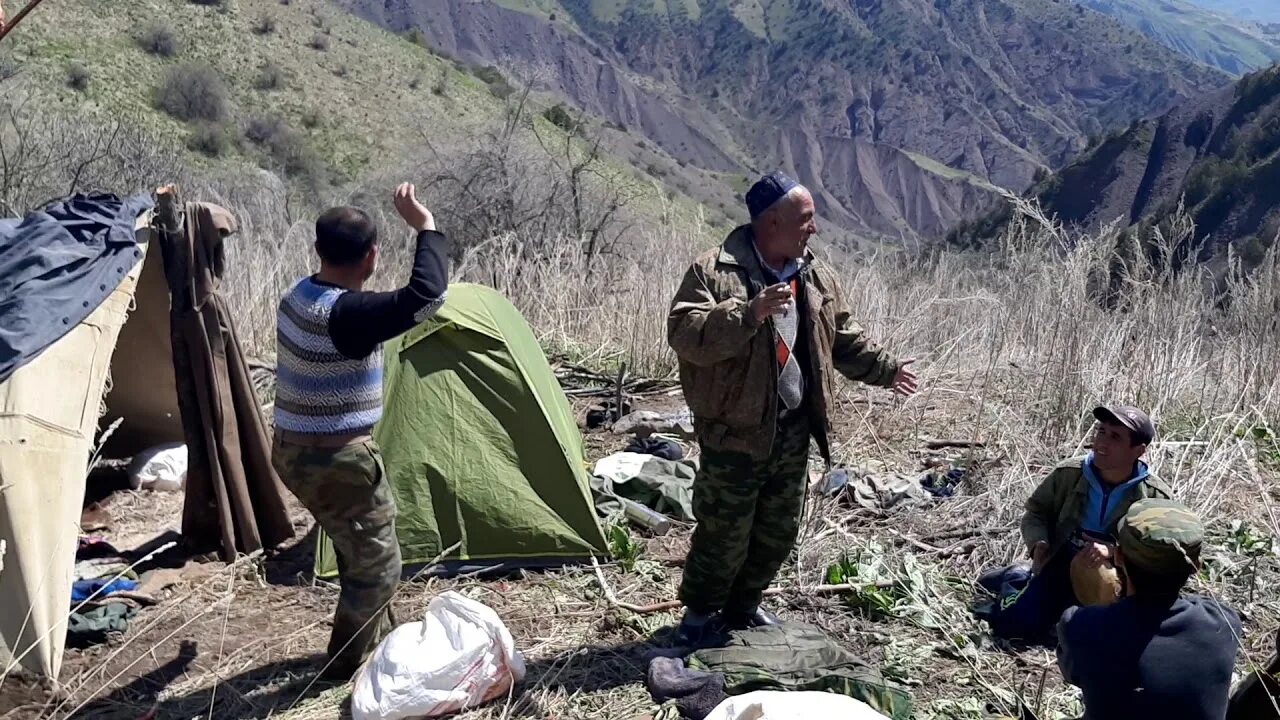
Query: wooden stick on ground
(914, 542)
(771, 592)
(617, 397)
(940, 444)
(6, 27)
(969, 532)
(959, 548)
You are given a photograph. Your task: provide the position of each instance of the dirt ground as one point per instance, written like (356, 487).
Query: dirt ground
(246, 639)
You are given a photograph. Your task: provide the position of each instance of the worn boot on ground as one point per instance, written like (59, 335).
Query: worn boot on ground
(693, 626)
(742, 620)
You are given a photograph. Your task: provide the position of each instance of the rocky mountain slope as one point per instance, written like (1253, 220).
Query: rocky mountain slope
(1218, 155)
(848, 95)
(1218, 40)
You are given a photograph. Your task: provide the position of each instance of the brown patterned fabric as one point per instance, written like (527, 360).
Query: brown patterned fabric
(234, 499)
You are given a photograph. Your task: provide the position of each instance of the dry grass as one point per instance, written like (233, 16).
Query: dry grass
(1014, 347)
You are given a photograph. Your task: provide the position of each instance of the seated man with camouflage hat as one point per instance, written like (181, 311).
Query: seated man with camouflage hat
(1156, 653)
(1071, 518)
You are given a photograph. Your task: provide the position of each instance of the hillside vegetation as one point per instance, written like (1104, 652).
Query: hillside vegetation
(354, 92)
(326, 102)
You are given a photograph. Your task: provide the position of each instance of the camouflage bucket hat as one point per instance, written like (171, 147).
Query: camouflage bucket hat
(1161, 536)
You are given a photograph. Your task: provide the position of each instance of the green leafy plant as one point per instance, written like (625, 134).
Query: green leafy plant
(624, 548)
(1244, 539)
(908, 591)
(1265, 443)
(629, 553)
(863, 569)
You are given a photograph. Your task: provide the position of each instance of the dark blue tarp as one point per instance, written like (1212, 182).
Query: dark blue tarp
(57, 265)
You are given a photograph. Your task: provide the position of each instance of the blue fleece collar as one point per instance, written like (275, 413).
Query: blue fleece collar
(1102, 499)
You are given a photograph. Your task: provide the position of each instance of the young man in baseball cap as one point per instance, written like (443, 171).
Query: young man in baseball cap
(1155, 653)
(1071, 518)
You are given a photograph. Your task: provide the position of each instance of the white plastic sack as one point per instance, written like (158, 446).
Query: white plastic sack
(163, 467)
(459, 656)
(778, 705)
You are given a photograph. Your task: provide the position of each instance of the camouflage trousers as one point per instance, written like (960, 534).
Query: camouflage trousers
(748, 515)
(346, 490)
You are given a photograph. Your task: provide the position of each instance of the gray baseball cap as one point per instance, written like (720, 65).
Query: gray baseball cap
(1138, 422)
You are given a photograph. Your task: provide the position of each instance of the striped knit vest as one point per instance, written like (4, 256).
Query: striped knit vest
(320, 391)
(787, 330)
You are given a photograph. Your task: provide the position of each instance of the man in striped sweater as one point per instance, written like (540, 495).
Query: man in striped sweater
(329, 339)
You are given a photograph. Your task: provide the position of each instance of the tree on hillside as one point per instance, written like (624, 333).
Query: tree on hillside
(46, 154)
(597, 193)
(193, 91)
(539, 186)
(159, 38)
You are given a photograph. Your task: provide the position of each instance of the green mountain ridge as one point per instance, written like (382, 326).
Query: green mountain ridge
(1262, 11)
(1218, 156)
(1220, 41)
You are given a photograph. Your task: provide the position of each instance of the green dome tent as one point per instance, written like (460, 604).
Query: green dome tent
(480, 445)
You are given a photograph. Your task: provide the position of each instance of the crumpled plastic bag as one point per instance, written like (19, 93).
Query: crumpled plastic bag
(163, 467)
(780, 705)
(459, 656)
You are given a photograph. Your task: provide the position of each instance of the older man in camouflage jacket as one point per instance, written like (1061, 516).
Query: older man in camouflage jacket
(760, 328)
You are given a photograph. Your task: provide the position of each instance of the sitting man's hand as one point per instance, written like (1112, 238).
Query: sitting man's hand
(1039, 556)
(1097, 554)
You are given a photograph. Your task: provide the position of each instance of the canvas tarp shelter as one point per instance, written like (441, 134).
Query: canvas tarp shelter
(480, 444)
(185, 361)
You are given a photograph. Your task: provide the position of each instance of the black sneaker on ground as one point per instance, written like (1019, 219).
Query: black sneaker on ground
(738, 620)
(337, 674)
(693, 626)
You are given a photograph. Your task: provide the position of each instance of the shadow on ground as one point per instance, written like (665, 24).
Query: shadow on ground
(274, 688)
(294, 564)
(255, 694)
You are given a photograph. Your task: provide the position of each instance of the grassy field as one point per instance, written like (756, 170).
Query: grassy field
(369, 93)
